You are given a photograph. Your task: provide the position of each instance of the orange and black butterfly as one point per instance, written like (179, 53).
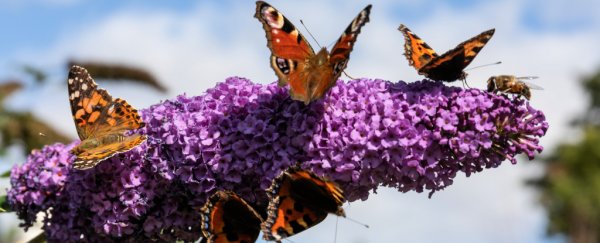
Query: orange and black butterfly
(309, 75)
(298, 200)
(448, 66)
(227, 218)
(102, 122)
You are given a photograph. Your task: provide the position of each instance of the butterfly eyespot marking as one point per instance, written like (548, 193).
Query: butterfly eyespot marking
(312, 78)
(283, 65)
(272, 17)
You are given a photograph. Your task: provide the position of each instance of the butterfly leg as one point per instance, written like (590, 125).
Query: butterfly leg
(350, 77)
(464, 82)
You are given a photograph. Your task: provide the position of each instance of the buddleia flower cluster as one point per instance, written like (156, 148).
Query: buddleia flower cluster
(240, 135)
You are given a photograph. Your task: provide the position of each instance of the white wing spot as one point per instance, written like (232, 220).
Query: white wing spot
(275, 32)
(76, 94)
(70, 81)
(277, 40)
(84, 87)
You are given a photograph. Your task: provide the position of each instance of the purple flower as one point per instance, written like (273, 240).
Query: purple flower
(447, 121)
(240, 135)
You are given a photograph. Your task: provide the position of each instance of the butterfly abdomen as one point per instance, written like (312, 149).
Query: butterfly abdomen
(99, 141)
(112, 138)
(85, 145)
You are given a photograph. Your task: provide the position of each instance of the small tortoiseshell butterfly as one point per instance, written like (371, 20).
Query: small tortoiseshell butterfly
(102, 123)
(450, 65)
(226, 217)
(309, 75)
(298, 200)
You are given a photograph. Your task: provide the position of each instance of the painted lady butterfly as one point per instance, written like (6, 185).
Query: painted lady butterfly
(102, 123)
(298, 200)
(450, 65)
(294, 61)
(226, 217)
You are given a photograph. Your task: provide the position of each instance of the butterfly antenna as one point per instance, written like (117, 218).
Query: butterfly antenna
(484, 65)
(357, 222)
(311, 36)
(464, 81)
(350, 77)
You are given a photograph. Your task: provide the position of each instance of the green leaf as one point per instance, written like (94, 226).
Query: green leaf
(5, 174)
(41, 238)
(38, 75)
(4, 204)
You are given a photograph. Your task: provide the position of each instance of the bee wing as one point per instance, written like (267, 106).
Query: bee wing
(533, 86)
(527, 78)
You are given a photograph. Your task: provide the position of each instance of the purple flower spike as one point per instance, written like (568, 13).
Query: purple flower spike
(239, 136)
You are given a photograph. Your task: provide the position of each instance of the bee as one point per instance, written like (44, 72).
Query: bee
(511, 84)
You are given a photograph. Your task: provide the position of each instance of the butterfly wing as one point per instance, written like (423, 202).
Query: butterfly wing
(338, 58)
(450, 65)
(298, 200)
(228, 218)
(289, 49)
(87, 157)
(417, 52)
(101, 122)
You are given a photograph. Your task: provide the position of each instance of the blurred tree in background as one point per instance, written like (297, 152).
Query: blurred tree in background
(570, 187)
(21, 127)
(108, 71)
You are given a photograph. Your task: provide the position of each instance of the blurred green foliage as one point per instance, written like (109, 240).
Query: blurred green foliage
(570, 187)
(109, 71)
(38, 75)
(23, 127)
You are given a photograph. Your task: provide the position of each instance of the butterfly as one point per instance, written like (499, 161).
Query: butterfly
(298, 200)
(101, 121)
(448, 66)
(512, 85)
(294, 61)
(226, 217)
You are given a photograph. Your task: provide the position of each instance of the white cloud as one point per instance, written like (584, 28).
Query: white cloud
(190, 52)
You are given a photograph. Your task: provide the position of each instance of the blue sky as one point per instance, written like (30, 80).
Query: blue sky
(192, 45)
(36, 23)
